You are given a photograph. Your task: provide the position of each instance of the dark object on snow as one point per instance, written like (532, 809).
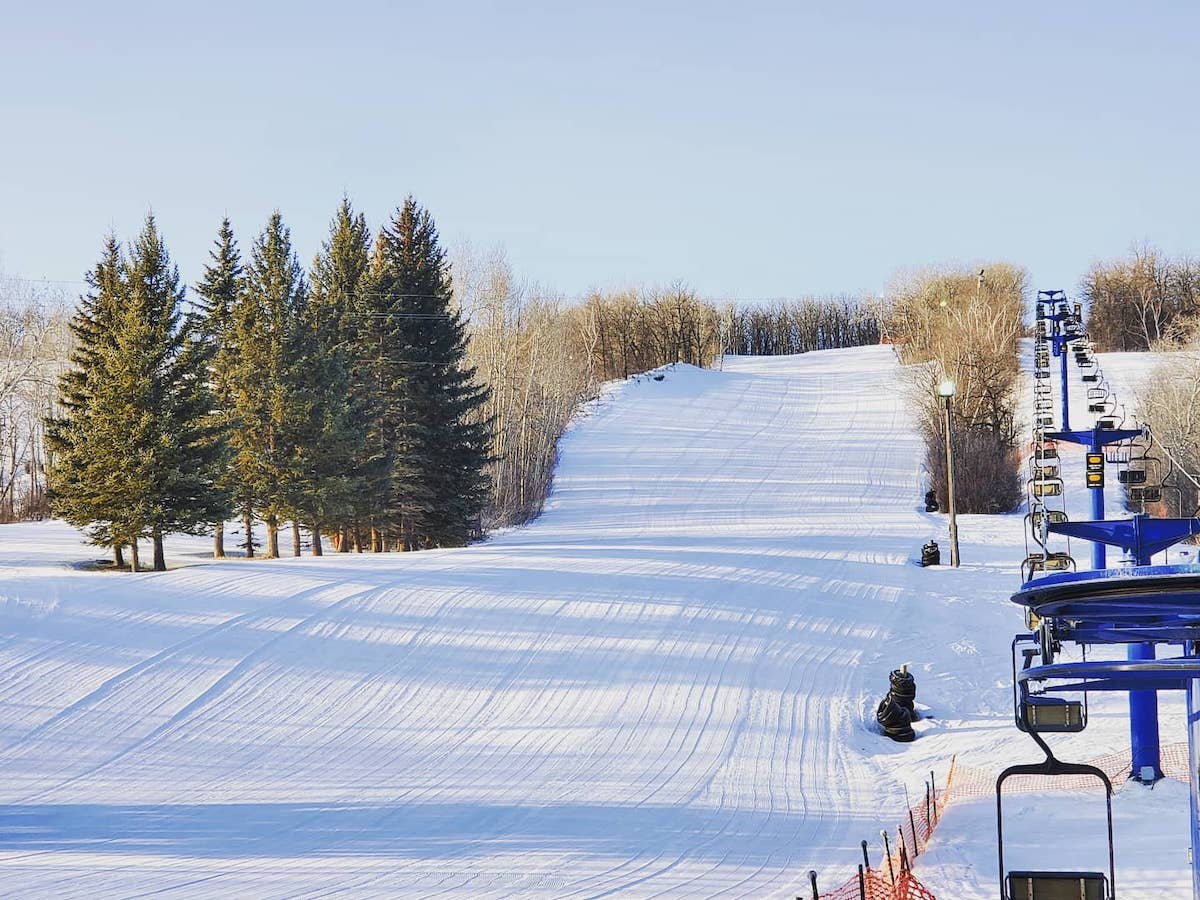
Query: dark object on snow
(931, 555)
(893, 719)
(658, 377)
(931, 504)
(904, 690)
(898, 710)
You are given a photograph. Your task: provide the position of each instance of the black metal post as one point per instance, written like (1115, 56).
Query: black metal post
(887, 851)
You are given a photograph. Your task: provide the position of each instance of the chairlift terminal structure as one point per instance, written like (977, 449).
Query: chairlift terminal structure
(1139, 605)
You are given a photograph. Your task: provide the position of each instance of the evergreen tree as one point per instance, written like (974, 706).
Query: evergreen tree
(142, 450)
(76, 476)
(268, 334)
(330, 459)
(438, 439)
(218, 294)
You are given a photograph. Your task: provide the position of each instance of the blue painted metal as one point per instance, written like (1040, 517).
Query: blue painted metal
(1112, 599)
(1097, 437)
(1193, 724)
(1099, 557)
(1140, 536)
(1143, 721)
(1122, 675)
(1061, 351)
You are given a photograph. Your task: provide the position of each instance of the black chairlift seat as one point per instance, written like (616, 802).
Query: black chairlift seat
(1132, 476)
(1050, 487)
(1050, 562)
(1052, 516)
(1106, 424)
(1045, 420)
(1090, 377)
(1051, 715)
(1042, 473)
(1057, 886)
(1097, 407)
(1145, 494)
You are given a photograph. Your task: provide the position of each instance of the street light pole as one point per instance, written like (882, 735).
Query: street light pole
(946, 391)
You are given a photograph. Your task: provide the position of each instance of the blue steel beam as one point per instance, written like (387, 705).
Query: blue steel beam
(1114, 675)
(1096, 437)
(1140, 536)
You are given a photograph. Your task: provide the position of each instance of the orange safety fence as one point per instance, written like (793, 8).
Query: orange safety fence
(893, 879)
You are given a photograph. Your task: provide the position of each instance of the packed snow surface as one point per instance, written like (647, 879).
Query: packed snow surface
(663, 686)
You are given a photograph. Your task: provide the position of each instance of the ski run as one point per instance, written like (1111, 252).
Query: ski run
(663, 686)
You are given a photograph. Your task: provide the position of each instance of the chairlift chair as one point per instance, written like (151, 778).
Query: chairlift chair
(1097, 393)
(1055, 884)
(1051, 516)
(1094, 407)
(1132, 476)
(1046, 562)
(1049, 487)
(1041, 713)
(1150, 494)
(1090, 377)
(1116, 454)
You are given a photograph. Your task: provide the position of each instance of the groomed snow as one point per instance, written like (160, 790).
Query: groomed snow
(664, 686)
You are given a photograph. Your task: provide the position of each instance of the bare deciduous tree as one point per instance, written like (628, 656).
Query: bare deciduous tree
(966, 326)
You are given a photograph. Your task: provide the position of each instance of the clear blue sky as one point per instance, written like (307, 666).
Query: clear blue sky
(749, 149)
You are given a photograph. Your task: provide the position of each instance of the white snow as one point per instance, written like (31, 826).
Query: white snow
(664, 686)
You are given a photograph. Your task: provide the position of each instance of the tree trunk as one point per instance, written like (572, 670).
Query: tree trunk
(272, 537)
(133, 556)
(248, 525)
(160, 558)
(344, 546)
(295, 538)
(376, 540)
(118, 556)
(219, 541)
(358, 541)
(317, 549)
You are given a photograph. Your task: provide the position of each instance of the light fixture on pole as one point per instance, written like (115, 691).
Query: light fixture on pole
(945, 390)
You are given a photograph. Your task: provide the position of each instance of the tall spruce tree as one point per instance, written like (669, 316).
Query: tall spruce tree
(268, 333)
(142, 447)
(330, 485)
(76, 475)
(218, 293)
(438, 439)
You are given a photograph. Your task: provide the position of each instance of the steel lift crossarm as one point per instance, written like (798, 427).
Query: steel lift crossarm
(1140, 536)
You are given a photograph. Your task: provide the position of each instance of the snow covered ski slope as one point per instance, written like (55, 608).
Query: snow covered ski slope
(663, 687)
